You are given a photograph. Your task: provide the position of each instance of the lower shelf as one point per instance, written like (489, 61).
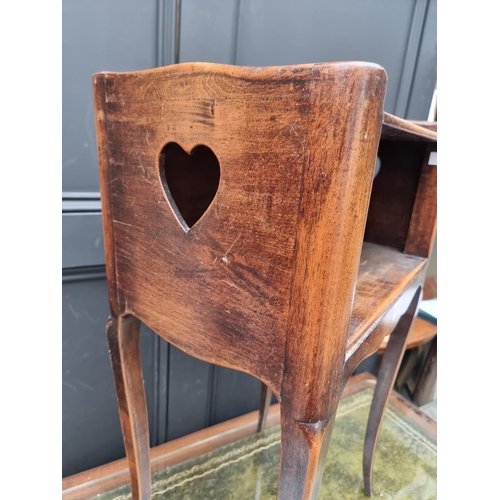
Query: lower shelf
(384, 275)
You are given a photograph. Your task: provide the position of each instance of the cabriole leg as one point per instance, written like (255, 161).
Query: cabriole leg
(123, 340)
(385, 382)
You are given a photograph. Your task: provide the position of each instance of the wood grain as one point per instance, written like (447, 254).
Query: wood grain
(333, 205)
(237, 268)
(422, 230)
(397, 128)
(269, 275)
(123, 341)
(394, 192)
(384, 276)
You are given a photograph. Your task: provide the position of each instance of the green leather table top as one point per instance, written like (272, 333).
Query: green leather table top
(405, 463)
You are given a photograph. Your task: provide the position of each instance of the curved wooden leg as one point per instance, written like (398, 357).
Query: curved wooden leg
(304, 444)
(265, 402)
(303, 453)
(123, 340)
(385, 382)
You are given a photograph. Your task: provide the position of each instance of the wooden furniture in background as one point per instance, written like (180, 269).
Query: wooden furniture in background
(424, 388)
(421, 332)
(234, 204)
(420, 381)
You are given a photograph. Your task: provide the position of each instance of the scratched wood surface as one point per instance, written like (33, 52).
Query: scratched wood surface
(237, 268)
(234, 210)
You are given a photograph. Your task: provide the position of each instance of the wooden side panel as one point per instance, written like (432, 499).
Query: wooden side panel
(220, 290)
(423, 221)
(394, 192)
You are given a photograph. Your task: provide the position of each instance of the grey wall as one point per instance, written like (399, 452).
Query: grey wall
(185, 394)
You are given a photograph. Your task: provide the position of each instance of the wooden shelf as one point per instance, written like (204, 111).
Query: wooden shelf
(384, 274)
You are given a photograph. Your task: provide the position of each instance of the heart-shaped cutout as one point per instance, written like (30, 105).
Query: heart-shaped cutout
(190, 181)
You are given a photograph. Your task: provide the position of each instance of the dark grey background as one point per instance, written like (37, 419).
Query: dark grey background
(185, 394)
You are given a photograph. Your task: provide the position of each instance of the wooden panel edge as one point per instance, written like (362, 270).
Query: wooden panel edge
(422, 230)
(406, 129)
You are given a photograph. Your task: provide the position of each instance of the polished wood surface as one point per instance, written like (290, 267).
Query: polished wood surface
(235, 205)
(428, 125)
(384, 275)
(243, 267)
(394, 192)
(123, 341)
(397, 128)
(422, 230)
